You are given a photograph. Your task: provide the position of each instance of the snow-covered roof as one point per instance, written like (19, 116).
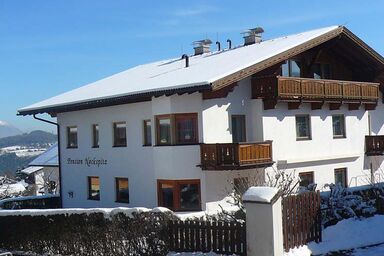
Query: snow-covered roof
(172, 74)
(31, 169)
(48, 158)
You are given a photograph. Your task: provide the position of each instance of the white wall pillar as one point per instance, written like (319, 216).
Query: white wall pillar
(264, 221)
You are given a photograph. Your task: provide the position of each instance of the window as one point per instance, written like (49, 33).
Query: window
(122, 190)
(147, 133)
(321, 71)
(163, 130)
(306, 178)
(119, 134)
(178, 129)
(95, 135)
(238, 128)
(72, 137)
(303, 127)
(341, 177)
(338, 125)
(186, 128)
(93, 188)
(179, 195)
(291, 68)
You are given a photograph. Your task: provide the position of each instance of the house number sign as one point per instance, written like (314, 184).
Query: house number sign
(88, 161)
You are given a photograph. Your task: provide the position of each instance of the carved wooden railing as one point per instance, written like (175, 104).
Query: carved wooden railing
(291, 88)
(235, 155)
(374, 145)
(294, 89)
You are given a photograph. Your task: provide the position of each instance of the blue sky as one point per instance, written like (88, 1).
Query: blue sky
(49, 46)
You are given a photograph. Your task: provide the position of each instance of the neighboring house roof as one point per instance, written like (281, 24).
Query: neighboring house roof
(209, 71)
(48, 158)
(32, 169)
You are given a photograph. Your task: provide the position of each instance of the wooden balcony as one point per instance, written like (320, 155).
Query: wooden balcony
(374, 145)
(298, 90)
(235, 156)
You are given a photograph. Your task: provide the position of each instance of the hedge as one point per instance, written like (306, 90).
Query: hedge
(139, 233)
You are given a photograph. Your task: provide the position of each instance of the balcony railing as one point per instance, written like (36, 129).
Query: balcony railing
(233, 156)
(374, 145)
(292, 88)
(312, 90)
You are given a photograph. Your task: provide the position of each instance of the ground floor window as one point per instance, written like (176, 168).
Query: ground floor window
(93, 188)
(341, 177)
(306, 179)
(122, 190)
(179, 195)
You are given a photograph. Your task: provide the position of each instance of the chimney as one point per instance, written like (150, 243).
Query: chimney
(252, 35)
(202, 46)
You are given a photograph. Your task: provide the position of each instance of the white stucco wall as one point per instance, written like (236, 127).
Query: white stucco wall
(322, 154)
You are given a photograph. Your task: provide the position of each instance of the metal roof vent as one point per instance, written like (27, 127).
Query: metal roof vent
(202, 46)
(252, 35)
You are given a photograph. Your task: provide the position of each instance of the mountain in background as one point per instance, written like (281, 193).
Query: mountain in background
(7, 130)
(34, 138)
(17, 151)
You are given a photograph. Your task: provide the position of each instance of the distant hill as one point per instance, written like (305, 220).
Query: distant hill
(17, 151)
(7, 130)
(34, 138)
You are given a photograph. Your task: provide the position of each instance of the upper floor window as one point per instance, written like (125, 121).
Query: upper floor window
(321, 71)
(147, 133)
(176, 129)
(119, 134)
(186, 128)
(338, 126)
(303, 127)
(238, 128)
(291, 68)
(93, 188)
(95, 135)
(72, 137)
(122, 190)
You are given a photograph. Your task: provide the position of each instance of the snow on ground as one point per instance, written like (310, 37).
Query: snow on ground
(192, 254)
(11, 189)
(22, 151)
(370, 251)
(347, 235)
(213, 208)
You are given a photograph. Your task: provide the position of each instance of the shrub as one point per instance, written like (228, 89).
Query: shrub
(84, 233)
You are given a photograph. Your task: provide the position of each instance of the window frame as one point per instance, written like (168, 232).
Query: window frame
(94, 144)
(309, 137)
(145, 133)
(89, 197)
(344, 135)
(118, 198)
(68, 136)
(173, 128)
(177, 193)
(115, 145)
(289, 63)
(309, 173)
(322, 70)
(342, 170)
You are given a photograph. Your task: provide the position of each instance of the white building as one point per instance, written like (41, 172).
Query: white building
(166, 133)
(43, 172)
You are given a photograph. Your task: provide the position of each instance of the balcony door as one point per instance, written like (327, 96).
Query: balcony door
(238, 129)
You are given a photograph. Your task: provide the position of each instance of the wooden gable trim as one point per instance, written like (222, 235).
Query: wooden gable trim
(241, 74)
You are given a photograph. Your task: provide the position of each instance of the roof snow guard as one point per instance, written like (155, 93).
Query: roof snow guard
(206, 72)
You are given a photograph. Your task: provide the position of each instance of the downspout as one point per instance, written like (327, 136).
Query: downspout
(58, 154)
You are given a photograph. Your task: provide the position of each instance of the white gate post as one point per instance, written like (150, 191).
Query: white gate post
(264, 221)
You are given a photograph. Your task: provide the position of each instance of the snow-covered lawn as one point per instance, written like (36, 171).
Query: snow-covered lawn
(348, 235)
